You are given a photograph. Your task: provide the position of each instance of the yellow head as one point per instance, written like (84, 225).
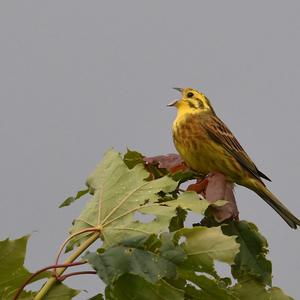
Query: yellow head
(192, 101)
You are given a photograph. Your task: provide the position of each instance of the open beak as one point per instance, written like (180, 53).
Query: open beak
(172, 103)
(175, 102)
(178, 89)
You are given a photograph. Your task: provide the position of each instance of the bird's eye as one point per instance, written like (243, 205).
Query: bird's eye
(190, 94)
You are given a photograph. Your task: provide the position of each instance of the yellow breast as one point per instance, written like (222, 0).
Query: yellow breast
(196, 148)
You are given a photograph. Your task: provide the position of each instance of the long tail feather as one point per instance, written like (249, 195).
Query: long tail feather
(275, 203)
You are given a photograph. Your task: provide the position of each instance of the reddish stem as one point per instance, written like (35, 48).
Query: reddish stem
(43, 270)
(67, 240)
(63, 277)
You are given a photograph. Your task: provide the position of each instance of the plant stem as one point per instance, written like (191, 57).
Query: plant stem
(20, 290)
(68, 239)
(51, 281)
(64, 277)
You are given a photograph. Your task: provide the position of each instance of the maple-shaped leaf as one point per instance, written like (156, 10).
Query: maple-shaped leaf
(204, 245)
(204, 288)
(251, 259)
(132, 287)
(13, 273)
(137, 256)
(137, 268)
(120, 193)
(12, 270)
(157, 166)
(249, 288)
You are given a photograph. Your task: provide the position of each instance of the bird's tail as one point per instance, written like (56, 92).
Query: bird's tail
(275, 203)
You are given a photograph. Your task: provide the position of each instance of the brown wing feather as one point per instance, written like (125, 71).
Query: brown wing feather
(219, 132)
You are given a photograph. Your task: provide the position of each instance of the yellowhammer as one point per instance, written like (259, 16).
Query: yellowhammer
(207, 145)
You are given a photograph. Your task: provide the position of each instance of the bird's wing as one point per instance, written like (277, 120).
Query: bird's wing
(219, 132)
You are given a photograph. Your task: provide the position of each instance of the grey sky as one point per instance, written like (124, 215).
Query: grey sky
(77, 77)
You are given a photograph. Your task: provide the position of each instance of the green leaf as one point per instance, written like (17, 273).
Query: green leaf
(12, 272)
(97, 297)
(70, 200)
(132, 158)
(183, 176)
(191, 201)
(250, 288)
(277, 294)
(25, 295)
(135, 257)
(207, 289)
(252, 257)
(171, 250)
(177, 222)
(61, 292)
(119, 193)
(132, 287)
(204, 245)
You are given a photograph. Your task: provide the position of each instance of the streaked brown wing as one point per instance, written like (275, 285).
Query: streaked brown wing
(219, 132)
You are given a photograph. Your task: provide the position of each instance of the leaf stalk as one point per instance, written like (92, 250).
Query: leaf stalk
(51, 281)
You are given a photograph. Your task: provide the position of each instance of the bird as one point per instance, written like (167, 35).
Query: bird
(207, 145)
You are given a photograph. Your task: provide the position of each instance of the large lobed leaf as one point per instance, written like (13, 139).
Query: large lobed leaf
(251, 260)
(132, 287)
(146, 256)
(120, 193)
(250, 288)
(147, 268)
(161, 263)
(13, 273)
(204, 288)
(137, 267)
(12, 270)
(204, 245)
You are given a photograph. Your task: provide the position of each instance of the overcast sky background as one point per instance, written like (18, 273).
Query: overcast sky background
(78, 77)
